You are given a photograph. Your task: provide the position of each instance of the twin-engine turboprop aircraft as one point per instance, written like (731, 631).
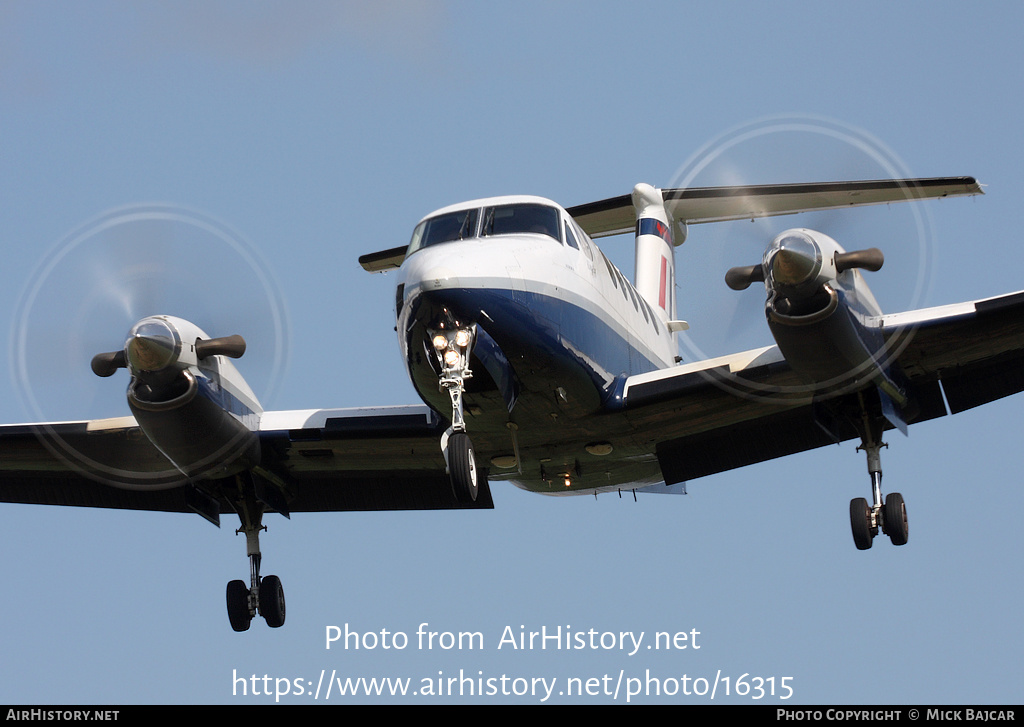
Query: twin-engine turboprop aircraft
(538, 362)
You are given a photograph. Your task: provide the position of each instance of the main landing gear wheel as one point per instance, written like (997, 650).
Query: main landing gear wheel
(860, 523)
(894, 519)
(272, 601)
(239, 612)
(462, 467)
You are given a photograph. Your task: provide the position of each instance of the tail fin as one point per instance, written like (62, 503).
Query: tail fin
(655, 252)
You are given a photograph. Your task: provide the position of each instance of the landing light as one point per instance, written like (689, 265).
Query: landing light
(452, 346)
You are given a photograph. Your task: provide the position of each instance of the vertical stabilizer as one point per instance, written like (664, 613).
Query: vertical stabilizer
(655, 258)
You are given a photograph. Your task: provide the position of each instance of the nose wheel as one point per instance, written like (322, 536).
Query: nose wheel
(462, 467)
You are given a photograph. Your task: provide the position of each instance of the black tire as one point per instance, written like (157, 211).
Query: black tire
(462, 467)
(238, 605)
(272, 601)
(860, 523)
(894, 518)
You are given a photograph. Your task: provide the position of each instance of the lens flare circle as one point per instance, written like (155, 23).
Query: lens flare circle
(102, 278)
(770, 133)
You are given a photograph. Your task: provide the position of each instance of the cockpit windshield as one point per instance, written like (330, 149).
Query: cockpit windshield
(444, 228)
(510, 219)
(505, 219)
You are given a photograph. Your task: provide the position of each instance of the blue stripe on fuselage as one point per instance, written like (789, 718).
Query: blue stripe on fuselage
(227, 401)
(538, 327)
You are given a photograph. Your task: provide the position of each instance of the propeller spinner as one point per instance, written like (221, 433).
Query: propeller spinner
(155, 343)
(794, 259)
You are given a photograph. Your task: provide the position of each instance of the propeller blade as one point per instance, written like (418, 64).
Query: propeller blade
(230, 346)
(870, 259)
(740, 278)
(105, 364)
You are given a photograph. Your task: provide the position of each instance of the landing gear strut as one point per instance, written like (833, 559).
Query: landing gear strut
(263, 595)
(890, 515)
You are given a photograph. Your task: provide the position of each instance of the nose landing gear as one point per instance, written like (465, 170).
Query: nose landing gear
(452, 343)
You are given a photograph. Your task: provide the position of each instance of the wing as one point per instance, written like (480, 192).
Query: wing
(616, 215)
(322, 460)
(736, 410)
(71, 463)
(362, 459)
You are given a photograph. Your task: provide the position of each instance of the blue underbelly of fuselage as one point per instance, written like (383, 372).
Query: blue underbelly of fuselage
(546, 340)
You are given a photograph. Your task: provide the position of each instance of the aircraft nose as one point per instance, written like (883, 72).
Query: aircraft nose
(430, 270)
(439, 278)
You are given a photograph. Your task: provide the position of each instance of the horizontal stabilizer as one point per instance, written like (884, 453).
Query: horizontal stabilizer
(378, 262)
(616, 215)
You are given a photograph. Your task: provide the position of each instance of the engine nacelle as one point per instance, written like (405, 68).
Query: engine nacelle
(819, 308)
(196, 429)
(187, 398)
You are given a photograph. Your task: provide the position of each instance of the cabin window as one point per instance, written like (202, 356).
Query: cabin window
(512, 219)
(570, 238)
(611, 270)
(622, 281)
(585, 242)
(459, 225)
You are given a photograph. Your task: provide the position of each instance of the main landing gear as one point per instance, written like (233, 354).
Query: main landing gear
(890, 515)
(263, 595)
(452, 343)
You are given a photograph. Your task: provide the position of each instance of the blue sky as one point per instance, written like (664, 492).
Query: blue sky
(318, 131)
